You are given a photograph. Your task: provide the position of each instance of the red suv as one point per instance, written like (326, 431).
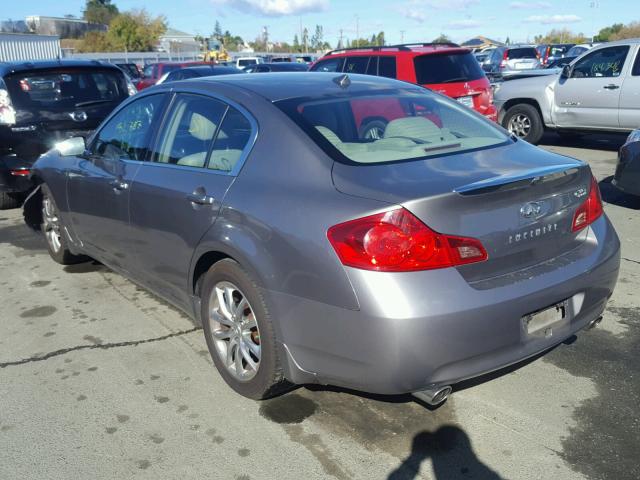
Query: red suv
(443, 67)
(154, 71)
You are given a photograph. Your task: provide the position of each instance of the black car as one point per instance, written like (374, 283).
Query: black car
(627, 176)
(43, 103)
(199, 71)
(277, 67)
(131, 69)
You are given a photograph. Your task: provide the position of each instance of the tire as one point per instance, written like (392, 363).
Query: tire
(372, 129)
(524, 121)
(267, 380)
(53, 231)
(9, 200)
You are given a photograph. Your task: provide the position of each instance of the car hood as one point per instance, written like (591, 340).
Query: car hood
(522, 86)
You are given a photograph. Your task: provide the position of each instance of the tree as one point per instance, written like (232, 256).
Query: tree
(317, 38)
(135, 31)
(296, 43)
(442, 38)
(100, 11)
(563, 35)
(305, 39)
(631, 30)
(606, 33)
(380, 40)
(507, 41)
(217, 31)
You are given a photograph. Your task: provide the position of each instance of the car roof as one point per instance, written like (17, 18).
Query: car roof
(412, 49)
(14, 67)
(281, 85)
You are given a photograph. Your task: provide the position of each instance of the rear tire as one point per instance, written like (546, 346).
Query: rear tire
(54, 234)
(524, 121)
(372, 129)
(253, 367)
(9, 200)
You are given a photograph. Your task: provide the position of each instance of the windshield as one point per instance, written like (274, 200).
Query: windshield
(64, 89)
(527, 52)
(447, 68)
(247, 61)
(390, 125)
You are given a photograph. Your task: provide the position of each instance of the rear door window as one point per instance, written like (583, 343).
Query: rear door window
(66, 89)
(447, 68)
(387, 67)
(232, 139)
(330, 65)
(372, 68)
(356, 64)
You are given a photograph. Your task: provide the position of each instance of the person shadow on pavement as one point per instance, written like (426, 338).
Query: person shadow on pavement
(451, 455)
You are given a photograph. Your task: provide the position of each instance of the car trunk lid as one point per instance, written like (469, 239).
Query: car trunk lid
(519, 201)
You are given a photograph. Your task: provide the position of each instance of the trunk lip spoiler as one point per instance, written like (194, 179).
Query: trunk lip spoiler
(534, 174)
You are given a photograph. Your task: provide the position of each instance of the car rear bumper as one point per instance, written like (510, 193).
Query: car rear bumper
(424, 329)
(627, 176)
(14, 174)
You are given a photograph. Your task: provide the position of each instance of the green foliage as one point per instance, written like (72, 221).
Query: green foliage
(442, 38)
(606, 33)
(100, 11)
(217, 31)
(232, 42)
(563, 35)
(631, 30)
(135, 31)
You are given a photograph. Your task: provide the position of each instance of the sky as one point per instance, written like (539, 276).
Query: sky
(401, 20)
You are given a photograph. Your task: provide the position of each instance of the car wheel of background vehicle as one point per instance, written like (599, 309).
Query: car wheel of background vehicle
(524, 122)
(53, 232)
(239, 332)
(372, 129)
(9, 200)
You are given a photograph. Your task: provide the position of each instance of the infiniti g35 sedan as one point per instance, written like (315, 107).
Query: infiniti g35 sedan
(443, 250)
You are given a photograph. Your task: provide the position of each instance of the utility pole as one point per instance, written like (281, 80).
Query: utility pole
(401, 37)
(340, 45)
(265, 37)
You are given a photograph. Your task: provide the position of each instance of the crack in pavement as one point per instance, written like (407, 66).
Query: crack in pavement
(104, 346)
(630, 260)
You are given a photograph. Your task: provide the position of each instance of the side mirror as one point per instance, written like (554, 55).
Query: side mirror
(72, 147)
(566, 72)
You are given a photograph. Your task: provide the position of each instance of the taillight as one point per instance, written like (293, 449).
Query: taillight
(396, 241)
(590, 210)
(20, 172)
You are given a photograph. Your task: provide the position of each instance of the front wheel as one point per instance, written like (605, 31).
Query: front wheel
(239, 332)
(53, 231)
(524, 122)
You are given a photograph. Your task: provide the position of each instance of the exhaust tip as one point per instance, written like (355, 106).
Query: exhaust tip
(434, 396)
(594, 323)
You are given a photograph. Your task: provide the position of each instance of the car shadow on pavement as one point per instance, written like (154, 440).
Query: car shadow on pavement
(451, 454)
(610, 194)
(595, 141)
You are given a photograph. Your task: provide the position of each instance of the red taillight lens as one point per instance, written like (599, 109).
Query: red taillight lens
(590, 210)
(20, 172)
(396, 241)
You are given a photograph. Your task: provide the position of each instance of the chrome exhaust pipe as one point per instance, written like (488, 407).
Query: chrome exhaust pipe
(433, 396)
(594, 323)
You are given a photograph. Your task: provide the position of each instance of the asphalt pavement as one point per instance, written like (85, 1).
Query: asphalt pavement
(100, 380)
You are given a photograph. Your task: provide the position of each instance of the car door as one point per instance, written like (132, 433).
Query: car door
(590, 97)
(176, 196)
(98, 185)
(629, 113)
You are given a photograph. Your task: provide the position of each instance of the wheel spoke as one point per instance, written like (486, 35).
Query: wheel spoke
(239, 309)
(255, 349)
(244, 349)
(222, 334)
(221, 319)
(222, 304)
(232, 344)
(238, 358)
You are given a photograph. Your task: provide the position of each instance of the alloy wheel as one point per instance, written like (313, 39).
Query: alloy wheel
(235, 331)
(52, 230)
(519, 125)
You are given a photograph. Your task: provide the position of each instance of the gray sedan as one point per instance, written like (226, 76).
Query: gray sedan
(441, 251)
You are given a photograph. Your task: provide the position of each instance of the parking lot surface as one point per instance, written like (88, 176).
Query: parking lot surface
(99, 379)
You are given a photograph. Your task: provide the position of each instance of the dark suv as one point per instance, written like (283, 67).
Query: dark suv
(443, 67)
(42, 103)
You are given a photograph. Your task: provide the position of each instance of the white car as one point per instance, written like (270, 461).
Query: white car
(243, 62)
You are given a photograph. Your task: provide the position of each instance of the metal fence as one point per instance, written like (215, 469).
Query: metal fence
(27, 47)
(140, 58)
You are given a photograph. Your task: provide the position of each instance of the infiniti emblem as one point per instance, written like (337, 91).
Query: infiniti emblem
(79, 116)
(531, 209)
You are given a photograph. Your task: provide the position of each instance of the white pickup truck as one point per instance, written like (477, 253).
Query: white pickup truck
(599, 91)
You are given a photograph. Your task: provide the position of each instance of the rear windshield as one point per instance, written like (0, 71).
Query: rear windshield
(247, 61)
(526, 52)
(65, 89)
(447, 68)
(390, 125)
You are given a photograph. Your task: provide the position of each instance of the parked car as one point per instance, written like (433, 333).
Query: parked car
(445, 68)
(511, 58)
(559, 62)
(42, 103)
(154, 71)
(627, 176)
(578, 50)
(131, 69)
(277, 67)
(548, 53)
(197, 71)
(597, 92)
(243, 62)
(311, 255)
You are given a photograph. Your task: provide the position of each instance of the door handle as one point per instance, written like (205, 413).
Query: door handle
(118, 184)
(200, 199)
(611, 86)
